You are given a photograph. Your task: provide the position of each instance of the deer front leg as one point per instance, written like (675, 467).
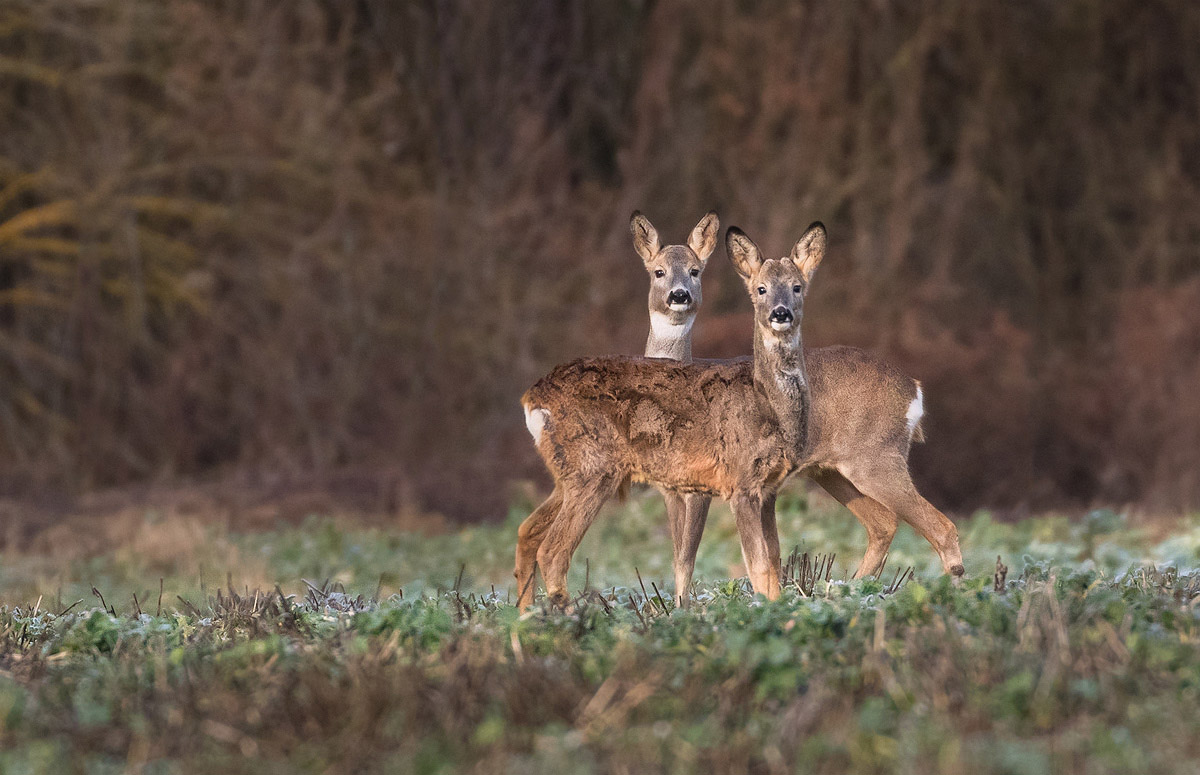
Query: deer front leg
(676, 516)
(756, 547)
(770, 530)
(695, 514)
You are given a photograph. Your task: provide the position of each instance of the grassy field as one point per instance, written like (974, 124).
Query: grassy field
(330, 647)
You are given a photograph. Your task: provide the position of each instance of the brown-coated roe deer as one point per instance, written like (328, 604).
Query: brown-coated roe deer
(733, 429)
(865, 416)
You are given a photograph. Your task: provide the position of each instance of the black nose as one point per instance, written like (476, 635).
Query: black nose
(781, 314)
(679, 296)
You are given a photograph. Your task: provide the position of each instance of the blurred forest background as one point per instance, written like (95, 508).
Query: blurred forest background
(328, 244)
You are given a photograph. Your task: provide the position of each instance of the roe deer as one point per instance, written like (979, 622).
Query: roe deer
(865, 415)
(731, 429)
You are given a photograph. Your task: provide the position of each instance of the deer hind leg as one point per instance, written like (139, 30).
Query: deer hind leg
(891, 485)
(687, 541)
(529, 539)
(756, 545)
(581, 502)
(879, 521)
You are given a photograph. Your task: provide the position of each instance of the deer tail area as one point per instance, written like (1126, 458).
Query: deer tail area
(915, 414)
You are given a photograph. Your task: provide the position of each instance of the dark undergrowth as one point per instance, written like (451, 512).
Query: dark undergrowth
(328, 244)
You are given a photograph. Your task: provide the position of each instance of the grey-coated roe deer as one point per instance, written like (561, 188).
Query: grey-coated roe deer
(865, 414)
(734, 429)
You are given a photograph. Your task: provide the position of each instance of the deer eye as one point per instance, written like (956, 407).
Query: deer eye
(762, 291)
(659, 273)
(795, 289)
(695, 273)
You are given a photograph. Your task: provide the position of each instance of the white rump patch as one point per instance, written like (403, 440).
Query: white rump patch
(663, 329)
(535, 421)
(916, 410)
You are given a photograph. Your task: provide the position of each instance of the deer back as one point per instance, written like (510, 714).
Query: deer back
(861, 405)
(693, 427)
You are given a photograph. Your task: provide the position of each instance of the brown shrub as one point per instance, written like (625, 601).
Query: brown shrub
(287, 240)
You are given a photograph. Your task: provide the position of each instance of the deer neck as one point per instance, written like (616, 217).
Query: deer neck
(781, 377)
(668, 339)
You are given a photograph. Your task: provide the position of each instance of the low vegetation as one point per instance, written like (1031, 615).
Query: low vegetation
(401, 652)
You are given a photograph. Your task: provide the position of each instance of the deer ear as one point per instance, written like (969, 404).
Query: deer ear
(703, 239)
(743, 252)
(645, 237)
(809, 250)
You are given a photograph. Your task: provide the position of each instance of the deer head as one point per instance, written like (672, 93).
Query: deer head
(777, 286)
(675, 269)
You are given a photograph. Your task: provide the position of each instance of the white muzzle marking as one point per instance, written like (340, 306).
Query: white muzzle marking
(780, 326)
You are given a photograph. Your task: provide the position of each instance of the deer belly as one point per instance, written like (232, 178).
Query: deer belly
(701, 473)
